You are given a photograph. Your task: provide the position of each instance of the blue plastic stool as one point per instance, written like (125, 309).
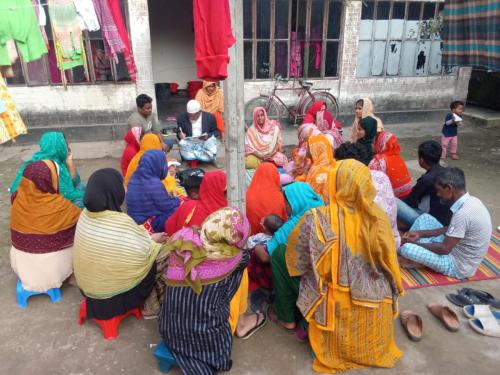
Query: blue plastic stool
(23, 294)
(165, 358)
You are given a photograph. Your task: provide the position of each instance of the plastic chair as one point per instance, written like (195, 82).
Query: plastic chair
(23, 295)
(165, 358)
(111, 326)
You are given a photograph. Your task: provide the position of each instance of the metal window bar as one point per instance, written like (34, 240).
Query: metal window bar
(326, 39)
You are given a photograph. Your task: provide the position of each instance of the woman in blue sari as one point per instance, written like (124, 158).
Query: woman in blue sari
(148, 202)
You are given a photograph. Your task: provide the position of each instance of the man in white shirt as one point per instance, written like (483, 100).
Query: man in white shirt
(197, 133)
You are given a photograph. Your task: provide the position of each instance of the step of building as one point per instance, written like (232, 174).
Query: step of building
(478, 116)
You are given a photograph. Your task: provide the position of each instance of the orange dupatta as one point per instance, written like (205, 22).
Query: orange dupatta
(322, 161)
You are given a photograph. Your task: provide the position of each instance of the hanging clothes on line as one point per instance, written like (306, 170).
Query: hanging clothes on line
(113, 44)
(68, 37)
(11, 123)
(42, 19)
(87, 15)
(18, 22)
(212, 38)
(116, 11)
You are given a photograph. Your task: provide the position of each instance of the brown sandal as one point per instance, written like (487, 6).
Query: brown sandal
(412, 324)
(446, 315)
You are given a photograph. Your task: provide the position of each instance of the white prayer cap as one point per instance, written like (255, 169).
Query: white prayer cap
(193, 106)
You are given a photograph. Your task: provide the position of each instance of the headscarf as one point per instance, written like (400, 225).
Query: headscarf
(211, 103)
(322, 119)
(322, 161)
(264, 196)
(208, 256)
(132, 140)
(369, 110)
(111, 253)
(148, 142)
(370, 235)
(41, 219)
(146, 194)
(53, 147)
(301, 198)
(105, 191)
(264, 141)
(388, 160)
(195, 211)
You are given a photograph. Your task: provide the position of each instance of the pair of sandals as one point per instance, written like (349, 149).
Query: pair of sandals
(469, 296)
(483, 319)
(413, 324)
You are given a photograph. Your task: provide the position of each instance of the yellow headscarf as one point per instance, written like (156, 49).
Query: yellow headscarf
(322, 161)
(148, 142)
(211, 103)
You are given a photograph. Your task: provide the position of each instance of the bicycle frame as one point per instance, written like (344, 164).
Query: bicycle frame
(295, 110)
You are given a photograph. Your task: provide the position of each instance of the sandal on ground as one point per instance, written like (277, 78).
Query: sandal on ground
(454, 157)
(257, 326)
(480, 311)
(462, 300)
(446, 315)
(485, 298)
(486, 326)
(412, 324)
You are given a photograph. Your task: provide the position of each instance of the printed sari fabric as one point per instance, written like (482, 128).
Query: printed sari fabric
(301, 163)
(204, 273)
(264, 141)
(388, 160)
(350, 277)
(53, 147)
(322, 161)
(11, 123)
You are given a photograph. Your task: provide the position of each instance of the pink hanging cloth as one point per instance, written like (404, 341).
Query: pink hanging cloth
(113, 44)
(212, 38)
(116, 12)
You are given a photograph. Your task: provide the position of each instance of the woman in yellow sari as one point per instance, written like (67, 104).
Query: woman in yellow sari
(350, 278)
(321, 153)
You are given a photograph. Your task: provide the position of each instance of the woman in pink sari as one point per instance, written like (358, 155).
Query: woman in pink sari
(318, 115)
(263, 141)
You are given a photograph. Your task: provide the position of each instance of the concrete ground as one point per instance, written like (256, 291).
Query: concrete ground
(46, 339)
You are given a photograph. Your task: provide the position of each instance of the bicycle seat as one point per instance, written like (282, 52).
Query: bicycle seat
(307, 84)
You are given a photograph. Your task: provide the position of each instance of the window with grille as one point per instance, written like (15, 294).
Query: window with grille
(293, 38)
(398, 38)
(45, 72)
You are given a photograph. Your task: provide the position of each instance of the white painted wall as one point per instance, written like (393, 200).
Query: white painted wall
(172, 41)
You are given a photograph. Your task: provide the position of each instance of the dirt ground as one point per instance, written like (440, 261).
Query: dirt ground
(46, 339)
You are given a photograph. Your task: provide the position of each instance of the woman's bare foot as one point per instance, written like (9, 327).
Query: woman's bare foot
(72, 280)
(290, 326)
(249, 323)
(406, 263)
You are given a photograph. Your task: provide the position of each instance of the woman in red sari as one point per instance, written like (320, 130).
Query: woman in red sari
(318, 115)
(388, 159)
(132, 145)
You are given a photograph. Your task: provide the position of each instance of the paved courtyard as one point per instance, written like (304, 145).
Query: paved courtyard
(46, 339)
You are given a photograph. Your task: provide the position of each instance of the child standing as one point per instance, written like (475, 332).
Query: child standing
(450, 129)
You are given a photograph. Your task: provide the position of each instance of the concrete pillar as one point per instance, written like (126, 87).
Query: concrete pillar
(234, 113)
(140, 38)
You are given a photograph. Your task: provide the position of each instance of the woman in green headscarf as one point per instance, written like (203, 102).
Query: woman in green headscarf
(53, 147)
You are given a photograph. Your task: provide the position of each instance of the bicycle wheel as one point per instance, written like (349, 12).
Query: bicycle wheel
(271, 107)
(325, 96)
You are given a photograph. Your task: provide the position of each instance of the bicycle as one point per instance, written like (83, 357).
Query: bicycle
(275, 106)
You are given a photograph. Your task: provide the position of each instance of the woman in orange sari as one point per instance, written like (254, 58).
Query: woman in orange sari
(388, 160)
(42, 226)
(350, 278)
(148, 142)
(301, 163)
(321, 154)
(212, 101)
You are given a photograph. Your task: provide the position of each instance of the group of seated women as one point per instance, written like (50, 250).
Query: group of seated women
(320, 243)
